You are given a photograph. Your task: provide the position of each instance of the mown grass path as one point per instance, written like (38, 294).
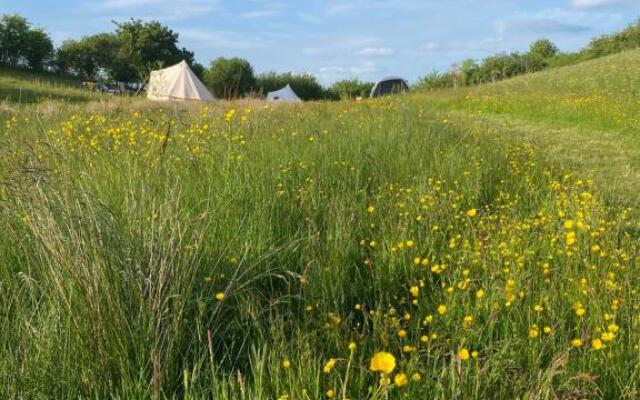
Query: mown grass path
(611, 157)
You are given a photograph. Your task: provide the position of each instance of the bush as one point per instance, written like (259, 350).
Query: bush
(230, 78)
(305, 85)
(435, 80)
(351, 88)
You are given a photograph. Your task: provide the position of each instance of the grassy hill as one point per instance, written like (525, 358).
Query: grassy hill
(475, 244)
(586, 115)
(27, 87)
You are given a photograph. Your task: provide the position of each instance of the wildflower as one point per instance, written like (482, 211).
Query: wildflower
(415, 291)
(570, 238)
(608, 336)
(328, 367)
(479, 294)
(472, 213)
(463, 354)
(286, 363)
(442, 309)
(568, 224)
(596, 344)
(416, 377)
(353, 346)
(410, 244)
(580, 311)
(547, 330)
(220, 296)
(533, 333)
(474, 354)
(371, 209)
(383, 362)
(331, 393)
(576, 343)
(400, 380)
(467, 321)
(402, 333)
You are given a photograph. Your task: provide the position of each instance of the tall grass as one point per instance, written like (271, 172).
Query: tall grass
(217, 253)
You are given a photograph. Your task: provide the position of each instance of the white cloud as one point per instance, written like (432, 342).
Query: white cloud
(375, 52)
(366, 70)
(149, 9)
(594, 3)
(218, 40)
(259, 14)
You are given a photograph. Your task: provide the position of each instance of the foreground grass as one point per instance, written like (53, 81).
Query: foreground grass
(247, 252)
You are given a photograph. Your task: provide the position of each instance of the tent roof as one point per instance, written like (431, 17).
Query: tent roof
(284, 94)
(392, 78)
(177, 82)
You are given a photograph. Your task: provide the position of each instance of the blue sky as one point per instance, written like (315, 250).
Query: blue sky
(337, 39)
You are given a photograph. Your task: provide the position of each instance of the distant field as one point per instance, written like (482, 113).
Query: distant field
(26, 87)
(485, 240)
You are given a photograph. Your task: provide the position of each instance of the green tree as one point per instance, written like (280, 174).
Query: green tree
(38, 49)
(469, 72)
(230, 78)
(543, 48)
(14, 37)
(143, 47)
(539, 54)
(78, 57)
(198, 69)
(306, 86)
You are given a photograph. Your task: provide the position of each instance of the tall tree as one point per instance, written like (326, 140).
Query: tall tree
(38, 50)
(230, 78)
(14, 36)
(78, 57)
(143, 47)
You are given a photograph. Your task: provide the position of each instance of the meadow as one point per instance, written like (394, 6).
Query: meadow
(475, 243)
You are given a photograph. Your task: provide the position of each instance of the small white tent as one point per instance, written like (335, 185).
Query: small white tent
(177, 82)
(284, 94)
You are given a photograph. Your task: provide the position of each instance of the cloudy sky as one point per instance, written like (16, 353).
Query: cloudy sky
(336, 39)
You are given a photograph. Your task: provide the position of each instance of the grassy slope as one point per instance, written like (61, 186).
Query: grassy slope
(587, 115)
(113, 247)
(26, 87)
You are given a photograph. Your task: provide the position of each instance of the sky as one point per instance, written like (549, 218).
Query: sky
(342, 39)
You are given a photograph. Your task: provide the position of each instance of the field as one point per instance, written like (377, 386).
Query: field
(476, 243)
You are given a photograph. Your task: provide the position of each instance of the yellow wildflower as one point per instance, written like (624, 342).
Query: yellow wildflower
(328, 367)
(383, 362)
(596, 344)
(400, 380)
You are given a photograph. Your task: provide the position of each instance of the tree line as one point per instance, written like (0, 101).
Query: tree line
(541, 54)
(135, 48)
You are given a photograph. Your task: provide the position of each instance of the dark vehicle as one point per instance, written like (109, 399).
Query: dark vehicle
(119, 88)
(389, 85)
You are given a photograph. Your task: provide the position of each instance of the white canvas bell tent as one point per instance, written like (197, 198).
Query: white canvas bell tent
(284, 94)
(177, 82)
